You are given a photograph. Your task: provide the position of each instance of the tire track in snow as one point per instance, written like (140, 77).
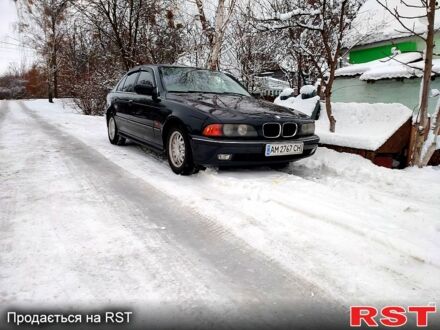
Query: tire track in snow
(342, 224)
(307, 218)
(4, 109)
(346, 213)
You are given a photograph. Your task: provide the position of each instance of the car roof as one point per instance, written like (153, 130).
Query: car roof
(145, 66)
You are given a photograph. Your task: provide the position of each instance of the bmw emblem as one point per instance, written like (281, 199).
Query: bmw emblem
(277, 117)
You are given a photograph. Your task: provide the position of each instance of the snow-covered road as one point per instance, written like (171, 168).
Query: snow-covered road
(85, 223)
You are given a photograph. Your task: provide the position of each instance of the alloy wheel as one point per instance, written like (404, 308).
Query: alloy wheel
(177, 149)
(111, 128)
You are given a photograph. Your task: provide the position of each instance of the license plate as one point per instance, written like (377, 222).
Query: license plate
(283, 149)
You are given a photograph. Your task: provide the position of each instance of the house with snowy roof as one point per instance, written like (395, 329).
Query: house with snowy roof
(386, 63)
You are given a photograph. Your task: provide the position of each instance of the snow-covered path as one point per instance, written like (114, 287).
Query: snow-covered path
(87, 223)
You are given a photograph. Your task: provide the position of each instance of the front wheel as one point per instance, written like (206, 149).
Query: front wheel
(179, 152)
(113, 133)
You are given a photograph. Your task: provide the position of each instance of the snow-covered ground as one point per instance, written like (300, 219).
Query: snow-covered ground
(343, 228)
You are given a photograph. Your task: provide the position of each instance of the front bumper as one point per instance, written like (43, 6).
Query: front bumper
(245, 153)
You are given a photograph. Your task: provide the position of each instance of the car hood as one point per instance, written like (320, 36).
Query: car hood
(236, 107)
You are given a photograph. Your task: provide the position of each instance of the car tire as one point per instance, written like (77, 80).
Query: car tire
(179, 152)
(113, 132)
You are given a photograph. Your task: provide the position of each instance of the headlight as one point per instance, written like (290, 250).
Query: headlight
(308, 129)
(240, 130)
(232, 130)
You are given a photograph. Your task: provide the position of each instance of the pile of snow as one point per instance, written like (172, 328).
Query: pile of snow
(374, 23)
(358, 125)
(405, 65)
(287, 92)
(307, 89)
(362, 125)
(298, 103)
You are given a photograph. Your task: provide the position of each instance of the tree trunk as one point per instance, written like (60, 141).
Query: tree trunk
(54, 72)
(422, 117)
(53, 54)
(328, 109)
(49, 82)
(328, 95)
(299, 73)
(214, 56)
(49, 91)
(433, 146)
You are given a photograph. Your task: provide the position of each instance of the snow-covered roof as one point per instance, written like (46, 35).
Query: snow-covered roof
(357, 69)
(358, 125)
(405, 65)
(362, 125)
(374, 23)
(271, 83)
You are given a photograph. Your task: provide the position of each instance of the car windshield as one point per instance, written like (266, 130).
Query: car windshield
(190, 80)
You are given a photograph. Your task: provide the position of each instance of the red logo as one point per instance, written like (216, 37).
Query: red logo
(389, 316)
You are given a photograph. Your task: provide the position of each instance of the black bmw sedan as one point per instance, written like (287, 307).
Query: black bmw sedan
(201, 117)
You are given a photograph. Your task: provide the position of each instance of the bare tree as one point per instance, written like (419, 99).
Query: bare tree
(42, 25)
(251, 49)
(215, 32)
(316, 29)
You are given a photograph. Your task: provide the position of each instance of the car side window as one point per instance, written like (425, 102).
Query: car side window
(121, 84)
(130, 82)
(146, 78)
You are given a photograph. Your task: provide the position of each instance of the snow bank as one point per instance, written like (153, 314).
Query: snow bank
(359, 125)
(304, 105)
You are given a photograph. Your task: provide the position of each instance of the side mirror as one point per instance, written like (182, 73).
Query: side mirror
(144, 89)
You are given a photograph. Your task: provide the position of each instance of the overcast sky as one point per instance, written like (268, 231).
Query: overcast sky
(10, 51)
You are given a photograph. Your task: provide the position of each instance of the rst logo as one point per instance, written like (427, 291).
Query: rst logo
(389, 316)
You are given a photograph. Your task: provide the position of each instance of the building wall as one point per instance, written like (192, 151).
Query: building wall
(382, 91)
(367, 53)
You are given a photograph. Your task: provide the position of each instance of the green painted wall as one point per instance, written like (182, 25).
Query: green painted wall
(367, 53)
(382, 91)
(375, 53)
